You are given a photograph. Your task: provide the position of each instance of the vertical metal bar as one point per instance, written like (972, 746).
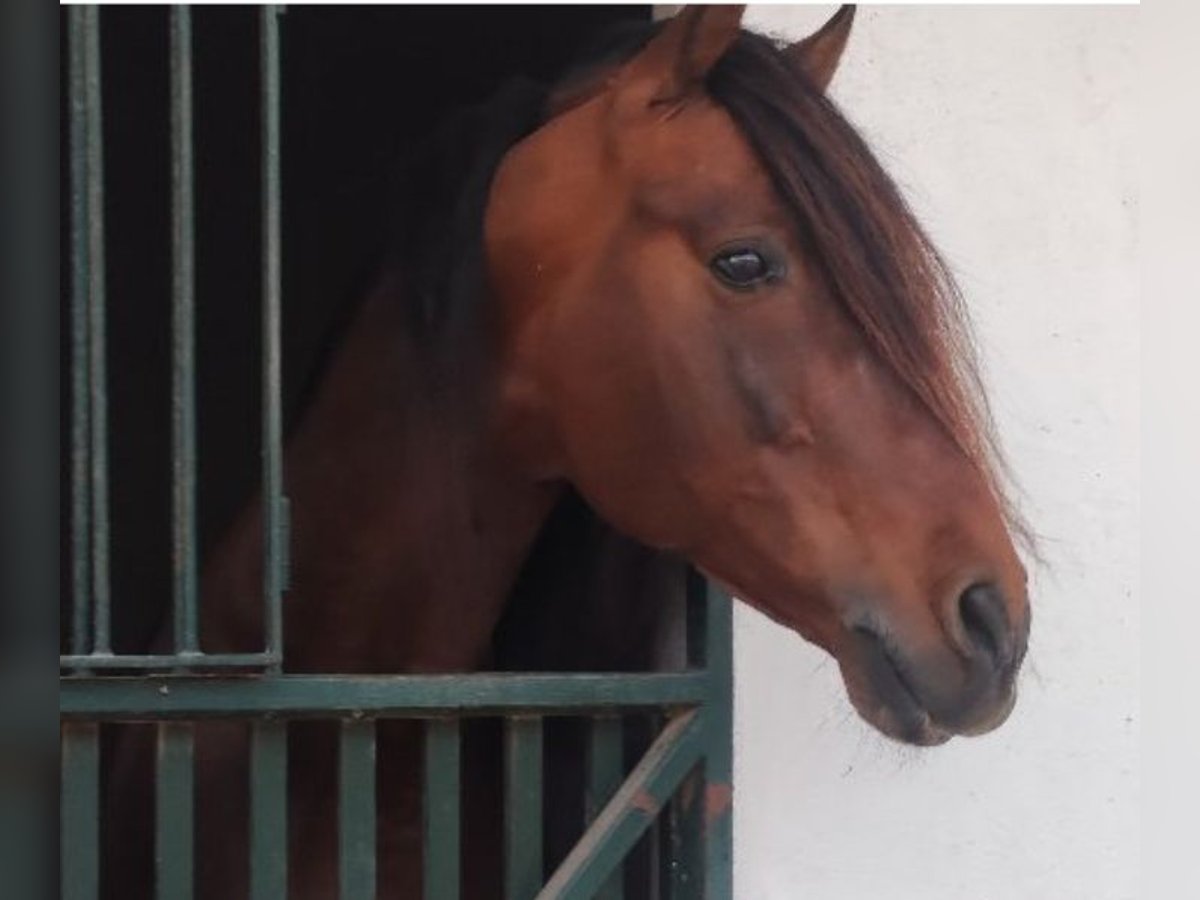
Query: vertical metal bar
(718, 761)
(443, 762)
(356, 816)
(605, 770)
(272, 402)
(522, 807)
(183, 399)
(268, 811)
(174, 802)
(97, 332)
(682, 869)
(80, 496)
(632, 810)
(80, 811)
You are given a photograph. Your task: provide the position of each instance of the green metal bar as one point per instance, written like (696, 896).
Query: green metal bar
(605, 769)
(97, 332)
(169, 661)
(268, 811)
(183, 399)
(174, 803)
(356, 816)
(683, 866)
(605, 762)
(443, 840)
(630, 812)
(718, 758)
(522, 807)
(192, 697)
(80, 811)
(80, 497)
(682, 869)
(272, 391)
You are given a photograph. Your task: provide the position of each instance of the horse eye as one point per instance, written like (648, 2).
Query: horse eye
(742, 267)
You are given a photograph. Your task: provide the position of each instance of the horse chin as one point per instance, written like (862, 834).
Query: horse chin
(882, 697)
(906, 722)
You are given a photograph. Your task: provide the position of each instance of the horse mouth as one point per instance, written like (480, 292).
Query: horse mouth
(885, 697)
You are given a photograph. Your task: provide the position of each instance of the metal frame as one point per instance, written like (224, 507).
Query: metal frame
(684, 779)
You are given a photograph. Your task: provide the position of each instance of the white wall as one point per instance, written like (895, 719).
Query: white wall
(1012, 130)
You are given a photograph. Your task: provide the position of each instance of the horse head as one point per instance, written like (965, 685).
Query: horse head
(721, 324)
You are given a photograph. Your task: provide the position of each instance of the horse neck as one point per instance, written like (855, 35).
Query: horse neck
(408, 525)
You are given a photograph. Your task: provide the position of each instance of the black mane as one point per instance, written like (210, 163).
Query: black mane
(440, 194)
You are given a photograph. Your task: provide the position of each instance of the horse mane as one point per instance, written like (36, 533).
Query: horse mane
(857, 226)
(440, 195)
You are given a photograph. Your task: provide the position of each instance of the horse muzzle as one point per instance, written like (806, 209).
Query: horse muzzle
(965, 687)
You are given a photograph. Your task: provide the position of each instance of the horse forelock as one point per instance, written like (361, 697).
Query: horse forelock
(856, 224)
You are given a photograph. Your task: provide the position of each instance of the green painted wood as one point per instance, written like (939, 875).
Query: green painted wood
(326, 696)
(79, 847)
(174, 814)
(356, 810)
(183, 338)
(605, 771)
(630, 812)
(442, 806)
(268, 811)
(81, 587)
(272, 390)
(522, 807)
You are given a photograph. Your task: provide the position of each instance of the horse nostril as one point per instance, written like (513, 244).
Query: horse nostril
(985, 623)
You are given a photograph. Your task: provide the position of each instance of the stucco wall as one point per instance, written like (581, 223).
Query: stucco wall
(1012, 130)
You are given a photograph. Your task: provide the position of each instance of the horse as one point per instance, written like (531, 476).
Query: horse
(674, 307)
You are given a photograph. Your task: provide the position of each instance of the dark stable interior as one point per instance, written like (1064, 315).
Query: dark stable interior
(359, 85)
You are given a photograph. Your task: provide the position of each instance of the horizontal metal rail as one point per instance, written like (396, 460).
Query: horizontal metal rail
(168, 661)
(128, 698)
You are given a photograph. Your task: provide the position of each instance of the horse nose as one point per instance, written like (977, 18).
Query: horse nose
(986, 632)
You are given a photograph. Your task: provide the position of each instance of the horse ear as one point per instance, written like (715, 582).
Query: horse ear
(689, 44)
(818, 54)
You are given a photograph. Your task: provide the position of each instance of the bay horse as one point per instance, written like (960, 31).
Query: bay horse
(675, 292)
